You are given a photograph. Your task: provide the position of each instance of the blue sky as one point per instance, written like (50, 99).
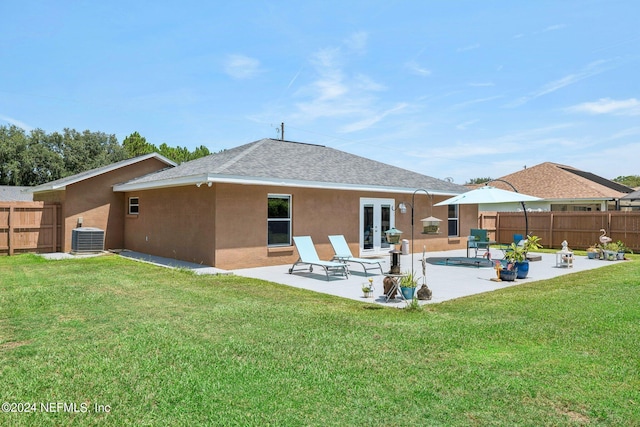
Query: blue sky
(451, 89)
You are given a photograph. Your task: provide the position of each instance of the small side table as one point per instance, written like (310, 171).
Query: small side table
(564, 259)
(395, 287)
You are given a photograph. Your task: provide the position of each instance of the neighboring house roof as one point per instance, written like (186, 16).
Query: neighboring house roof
(15, 194)
(632, 196)
(552, 181)
(61, 184)
(286, 163)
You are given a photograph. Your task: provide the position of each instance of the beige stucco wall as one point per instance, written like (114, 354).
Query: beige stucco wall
(175, 222)
(226, 225)
(94, 201)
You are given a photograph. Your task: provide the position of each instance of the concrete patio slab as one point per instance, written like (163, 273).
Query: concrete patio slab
(447, 282)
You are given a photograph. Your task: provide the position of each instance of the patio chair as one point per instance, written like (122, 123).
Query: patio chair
(478, 240)
(343, 254)
(308, 256)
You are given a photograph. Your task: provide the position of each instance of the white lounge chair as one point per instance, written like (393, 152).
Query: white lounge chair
(343, 254)
(308, 256)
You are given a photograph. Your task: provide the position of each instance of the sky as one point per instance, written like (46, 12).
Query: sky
(455, 90)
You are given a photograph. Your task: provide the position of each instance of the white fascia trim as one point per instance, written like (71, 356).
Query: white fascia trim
(241, 180)
(82, 177)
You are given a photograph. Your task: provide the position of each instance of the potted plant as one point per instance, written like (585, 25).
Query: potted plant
(367, 289)
(622, 249)
(593, 252)
(610, 250)
(517, 254)
(509, 273)
(408, 284)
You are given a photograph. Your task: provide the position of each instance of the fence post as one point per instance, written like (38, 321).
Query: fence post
(10, 233)
(54, 227)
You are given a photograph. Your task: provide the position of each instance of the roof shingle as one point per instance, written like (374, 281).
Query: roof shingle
(286, 160)
(554, 181)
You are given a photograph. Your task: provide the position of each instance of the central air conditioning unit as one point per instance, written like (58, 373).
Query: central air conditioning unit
(87, 239)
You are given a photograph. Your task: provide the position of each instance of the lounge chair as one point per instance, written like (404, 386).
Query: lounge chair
(343, 254)
(308, 256)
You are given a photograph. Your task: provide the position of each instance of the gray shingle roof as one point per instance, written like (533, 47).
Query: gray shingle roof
(14, 194)
(272, 159)
(61, 183)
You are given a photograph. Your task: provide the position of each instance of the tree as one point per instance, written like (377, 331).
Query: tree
(478, 181)
(632, 181)
(88, 150)
(40, 162)
(136, 145)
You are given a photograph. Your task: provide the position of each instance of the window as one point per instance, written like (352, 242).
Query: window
(453, 221)
(134, 206)
(279, 220)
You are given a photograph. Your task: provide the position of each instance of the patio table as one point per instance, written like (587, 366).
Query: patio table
(395, 287)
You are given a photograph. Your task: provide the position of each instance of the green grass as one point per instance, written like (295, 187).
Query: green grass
(167, 347)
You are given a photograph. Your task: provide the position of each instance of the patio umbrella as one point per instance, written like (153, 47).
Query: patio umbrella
(490, 195)
(487, 194)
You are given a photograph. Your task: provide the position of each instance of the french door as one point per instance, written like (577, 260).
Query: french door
(376, 217)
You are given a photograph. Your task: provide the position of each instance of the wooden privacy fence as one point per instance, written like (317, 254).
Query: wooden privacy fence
(29, 227)
(579, 229)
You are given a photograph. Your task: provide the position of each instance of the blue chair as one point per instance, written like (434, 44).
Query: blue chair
(478, 240)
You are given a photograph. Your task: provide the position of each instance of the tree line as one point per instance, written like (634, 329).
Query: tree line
(38, 157)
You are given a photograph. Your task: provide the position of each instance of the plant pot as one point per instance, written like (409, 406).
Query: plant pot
(508, 275)
(522, 269)
(592, 255)
(610, 255)
(407, 293)
(368, 294)
(620, 256)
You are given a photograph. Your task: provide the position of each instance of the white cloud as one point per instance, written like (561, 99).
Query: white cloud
(372, 119)
(417, 69)
(554, 28)
(465, 125)
(475, 101)
(590, 70)
(16, 122)
(470, 47)
(357, 42)
(630, 107)
(334, 92)
(241, 66)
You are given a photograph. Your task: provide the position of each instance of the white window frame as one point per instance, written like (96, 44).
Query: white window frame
(455, 219)
(289, 219)
(132, 204)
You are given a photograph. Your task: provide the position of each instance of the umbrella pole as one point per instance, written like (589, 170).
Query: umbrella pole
(524, 208)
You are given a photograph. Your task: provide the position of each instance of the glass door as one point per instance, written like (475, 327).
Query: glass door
(376, 217)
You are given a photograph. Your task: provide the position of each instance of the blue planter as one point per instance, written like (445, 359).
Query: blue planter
(508, 275)
(407, 293)
(522, 269)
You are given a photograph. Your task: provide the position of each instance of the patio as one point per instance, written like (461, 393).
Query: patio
(447, 280)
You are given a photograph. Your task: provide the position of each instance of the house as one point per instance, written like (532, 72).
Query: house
(241, 207)
(87, 199)
(631, 201)
(562, 188)
(10, 193)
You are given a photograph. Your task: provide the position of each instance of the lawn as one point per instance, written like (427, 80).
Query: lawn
(110, 341)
